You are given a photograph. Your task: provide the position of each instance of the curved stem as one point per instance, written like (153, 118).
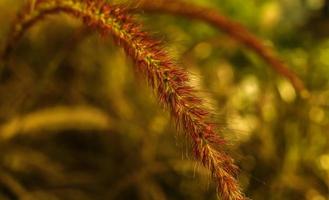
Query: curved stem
(227, 25)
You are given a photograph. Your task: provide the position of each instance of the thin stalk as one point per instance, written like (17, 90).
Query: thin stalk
(234, 29)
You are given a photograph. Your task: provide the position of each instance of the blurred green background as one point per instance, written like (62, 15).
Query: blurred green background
(77, 124)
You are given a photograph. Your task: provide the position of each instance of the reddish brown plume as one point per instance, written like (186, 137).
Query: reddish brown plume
(170, 82)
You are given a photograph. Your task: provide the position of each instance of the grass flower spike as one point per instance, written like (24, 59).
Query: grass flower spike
(169, 81)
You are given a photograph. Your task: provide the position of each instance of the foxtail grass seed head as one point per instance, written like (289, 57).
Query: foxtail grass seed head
(170, 82)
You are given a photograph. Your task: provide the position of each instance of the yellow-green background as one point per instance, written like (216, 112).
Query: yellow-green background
(76, 123)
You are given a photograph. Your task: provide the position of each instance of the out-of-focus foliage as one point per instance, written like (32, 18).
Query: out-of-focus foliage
(76, 123)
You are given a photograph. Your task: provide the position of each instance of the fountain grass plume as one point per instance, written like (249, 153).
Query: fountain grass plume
(170, 82)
